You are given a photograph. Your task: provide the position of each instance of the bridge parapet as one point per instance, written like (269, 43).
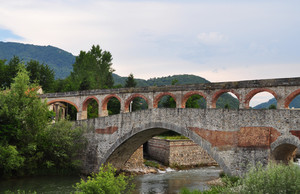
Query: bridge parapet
(284, 90)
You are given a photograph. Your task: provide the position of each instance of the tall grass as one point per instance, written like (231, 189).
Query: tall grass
(271, 179)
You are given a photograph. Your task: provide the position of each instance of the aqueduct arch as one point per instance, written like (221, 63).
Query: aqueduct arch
(132, 97)
(189, 94)
(104, 111)
(252, 93)
(159, 96)
(290, 98)
(219, 93)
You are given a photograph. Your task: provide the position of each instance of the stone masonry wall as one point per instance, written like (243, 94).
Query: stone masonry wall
(178, 152)
(136, 160)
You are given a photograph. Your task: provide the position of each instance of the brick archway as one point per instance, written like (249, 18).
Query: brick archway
(160, 95)
(63, 100)
(127, 102)
(290, 98)
(87, 101)
(107, 98)
(219, 93)
(252, 93)
(188, 95)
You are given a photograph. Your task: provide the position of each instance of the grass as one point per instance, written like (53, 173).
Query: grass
(152, 164)
(271, 179)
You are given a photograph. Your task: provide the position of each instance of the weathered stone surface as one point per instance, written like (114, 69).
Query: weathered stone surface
(178, 152)
(233, 138)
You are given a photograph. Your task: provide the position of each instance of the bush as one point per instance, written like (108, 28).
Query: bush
(272, 179)
(10, 160)
(105, 181)
(59, 144)
(275, 178)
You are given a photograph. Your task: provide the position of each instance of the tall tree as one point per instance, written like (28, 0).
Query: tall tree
(92, 70)
(41, 74)
(130, 81)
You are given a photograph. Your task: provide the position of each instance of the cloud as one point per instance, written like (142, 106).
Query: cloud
(212, 38)
(159, 38)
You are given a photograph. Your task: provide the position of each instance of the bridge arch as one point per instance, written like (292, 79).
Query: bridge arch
(85, 104)
(219, 93)
(284, 148)
(189, 94)
(87, 101)
(127, 102)
(63, 100)
(107, 98)
(252, 93)
(160, 95)
(290, 98)
(126, 145)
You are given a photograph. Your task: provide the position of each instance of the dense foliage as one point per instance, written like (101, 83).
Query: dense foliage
(29, 142)
(105, 181)
(40, 74)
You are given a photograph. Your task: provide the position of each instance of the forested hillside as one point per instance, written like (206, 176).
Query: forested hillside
(294, 104)
(59, 60)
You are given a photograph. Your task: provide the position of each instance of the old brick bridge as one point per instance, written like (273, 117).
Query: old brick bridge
(234, 138)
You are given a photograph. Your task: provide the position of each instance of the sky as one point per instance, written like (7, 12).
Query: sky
(216, 39)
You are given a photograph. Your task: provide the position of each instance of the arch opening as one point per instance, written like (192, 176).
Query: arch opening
(263, 100)
(137, 104)
(166, 101)
(293, 100)
(92, 109)
(113, 106)
(63, 110)
(196, 101)
(284, 153)
(120, 152)
(227, 100)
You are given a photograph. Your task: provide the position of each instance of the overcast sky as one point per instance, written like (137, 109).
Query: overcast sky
(220, 40)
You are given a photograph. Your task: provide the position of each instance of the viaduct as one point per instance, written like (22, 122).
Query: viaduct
(234, 138)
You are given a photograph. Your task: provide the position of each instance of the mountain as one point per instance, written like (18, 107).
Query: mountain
(295, 103)
(162, 81)
(59, 60)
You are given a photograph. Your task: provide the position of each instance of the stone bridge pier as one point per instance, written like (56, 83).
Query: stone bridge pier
(235, 139)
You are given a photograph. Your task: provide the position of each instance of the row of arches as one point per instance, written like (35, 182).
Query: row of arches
(112, 103)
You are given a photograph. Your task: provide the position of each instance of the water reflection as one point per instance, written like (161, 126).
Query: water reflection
(167, 182)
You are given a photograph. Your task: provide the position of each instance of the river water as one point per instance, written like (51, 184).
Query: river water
(164, 182)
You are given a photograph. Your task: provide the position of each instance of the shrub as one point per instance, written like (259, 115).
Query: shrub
(105, 181)
(10, 160)
(275, 178)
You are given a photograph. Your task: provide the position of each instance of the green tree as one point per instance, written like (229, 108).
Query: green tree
(195, 101)
(105, 181)
(22, 113)
(272, 106)
(167, 102)
(41, 74)
(130, 81)
(92, 70)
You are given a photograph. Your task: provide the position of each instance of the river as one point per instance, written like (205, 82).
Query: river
(164, 182)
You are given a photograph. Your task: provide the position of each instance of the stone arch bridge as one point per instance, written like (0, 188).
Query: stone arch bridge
(234, 138)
